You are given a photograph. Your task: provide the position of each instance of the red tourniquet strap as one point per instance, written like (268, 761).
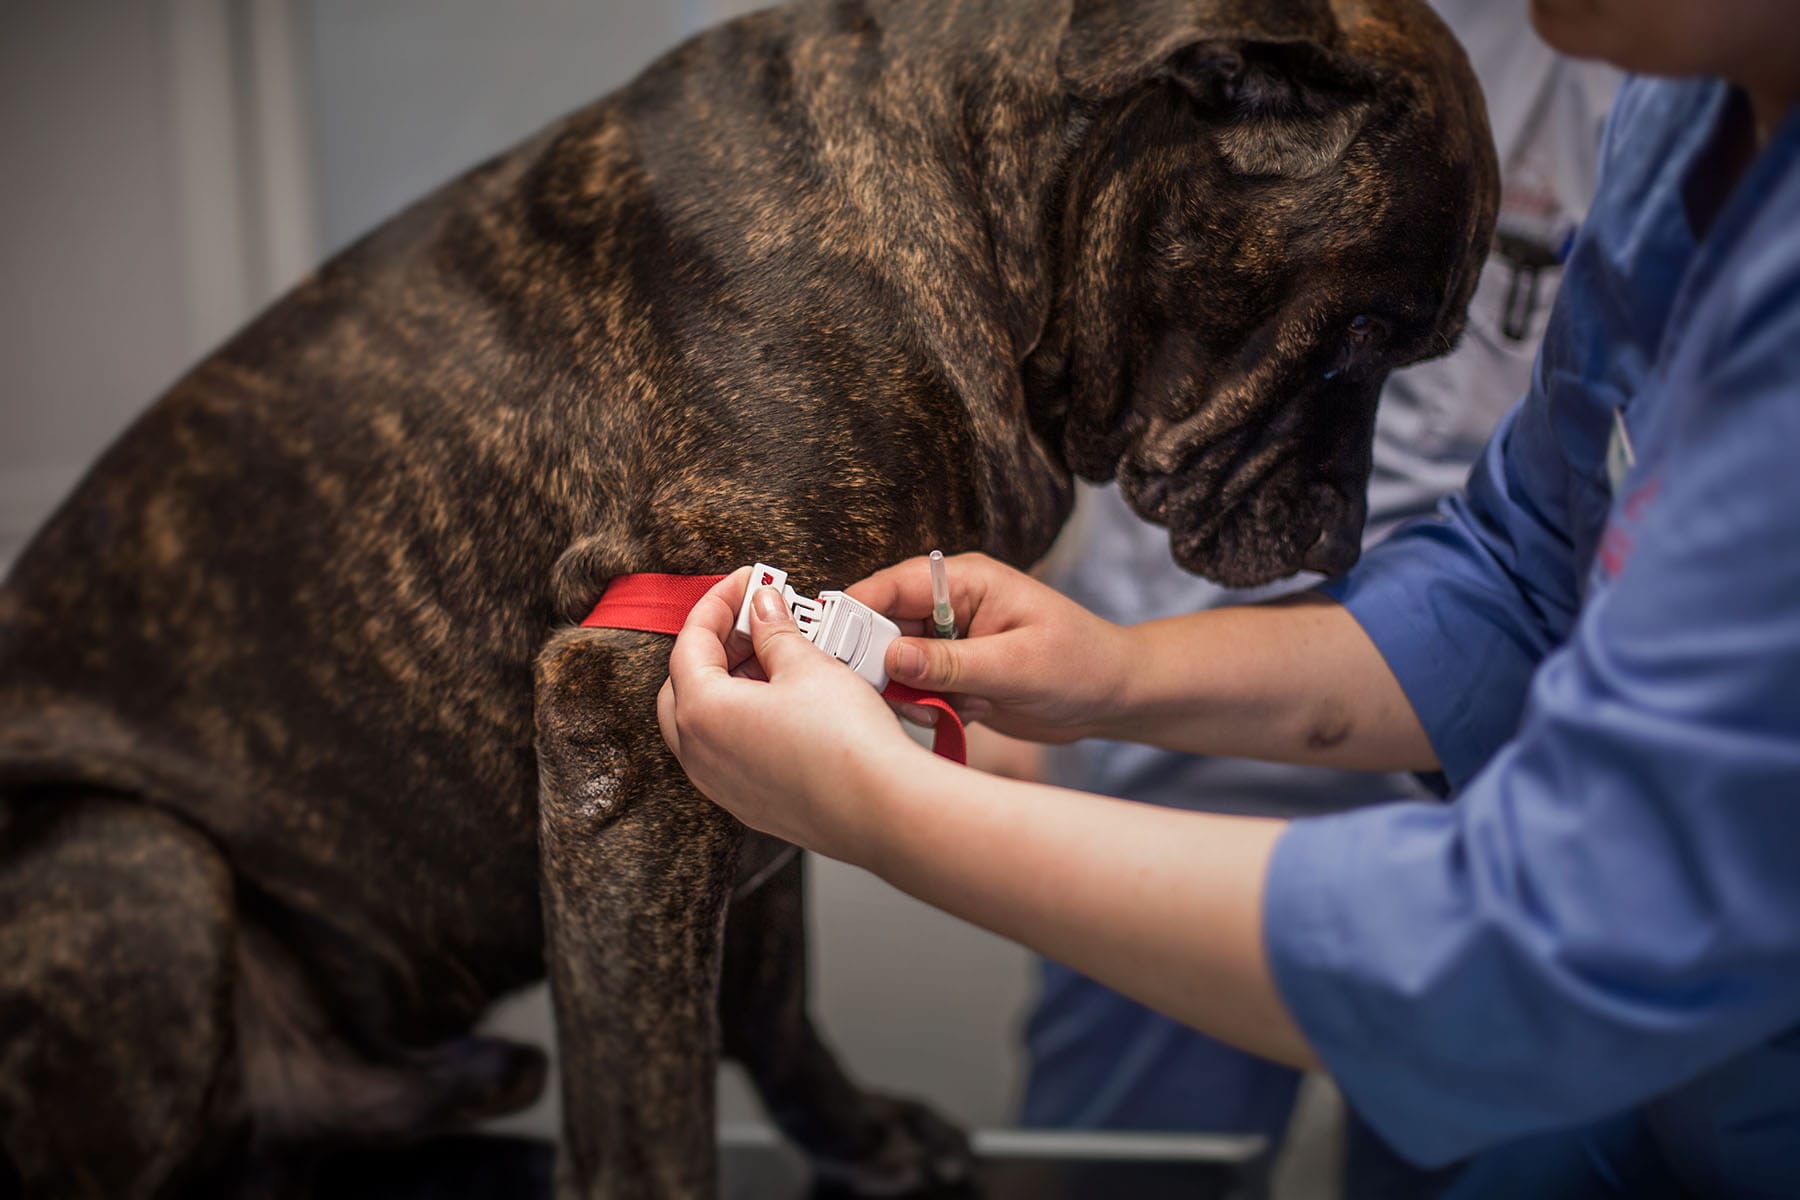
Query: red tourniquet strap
(661, 603)
(649, 603)
(948, 739)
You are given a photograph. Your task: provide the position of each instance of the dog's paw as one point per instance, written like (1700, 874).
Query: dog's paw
(916, 1153)
(478, 1078)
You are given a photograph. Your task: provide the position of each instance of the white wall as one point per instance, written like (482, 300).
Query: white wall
(406, 93)
(156, 191)
(91, 270)
(170, 164)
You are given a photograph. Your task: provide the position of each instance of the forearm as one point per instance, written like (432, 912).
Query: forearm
(1294, 681)
(1162, 905)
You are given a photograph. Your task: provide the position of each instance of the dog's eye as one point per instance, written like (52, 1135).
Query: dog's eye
(1367, 332)
(1364, 336)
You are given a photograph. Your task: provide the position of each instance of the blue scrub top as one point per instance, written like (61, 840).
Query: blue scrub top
(1608, 916)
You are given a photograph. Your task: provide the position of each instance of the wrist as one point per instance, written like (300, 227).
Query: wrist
(1121, 690)
(889, 793)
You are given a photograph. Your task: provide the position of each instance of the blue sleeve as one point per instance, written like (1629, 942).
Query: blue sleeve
(1482, 592)
(1613, 904)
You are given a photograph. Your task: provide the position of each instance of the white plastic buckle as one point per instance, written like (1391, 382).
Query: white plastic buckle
(848, 630)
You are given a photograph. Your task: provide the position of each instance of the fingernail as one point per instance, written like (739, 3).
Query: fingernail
(909, 661)
(768, 605)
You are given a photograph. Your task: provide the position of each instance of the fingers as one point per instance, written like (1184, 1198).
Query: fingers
(665, 717)
(903, 591)
(968, 672)
(969, 710)
(918, 714)
(965, 665)
(739, 654)
(780, 646)
(700, 650)
(731, 588)
(708, 647)
(700, 647)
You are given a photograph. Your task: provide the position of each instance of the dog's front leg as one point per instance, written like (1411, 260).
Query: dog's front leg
(861, 1143)
(636, 869)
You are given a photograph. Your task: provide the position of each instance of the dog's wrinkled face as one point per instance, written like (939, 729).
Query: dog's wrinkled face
(1255, 237)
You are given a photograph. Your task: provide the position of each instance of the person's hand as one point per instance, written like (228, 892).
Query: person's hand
(1030, 662)
(791, 753)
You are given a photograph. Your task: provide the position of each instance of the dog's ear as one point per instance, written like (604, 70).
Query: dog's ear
(1284, 98)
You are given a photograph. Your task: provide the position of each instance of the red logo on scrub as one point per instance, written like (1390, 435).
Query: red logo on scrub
(1617, 543)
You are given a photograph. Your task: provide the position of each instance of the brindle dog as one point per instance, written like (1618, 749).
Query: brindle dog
(303, 760)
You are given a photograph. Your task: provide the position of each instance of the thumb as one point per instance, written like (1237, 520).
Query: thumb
(778, 641)
(932, 664)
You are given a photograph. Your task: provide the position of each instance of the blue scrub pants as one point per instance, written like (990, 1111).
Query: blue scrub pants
(1101, 1061)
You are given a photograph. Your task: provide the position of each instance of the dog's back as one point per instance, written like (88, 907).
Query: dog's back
(296, 605)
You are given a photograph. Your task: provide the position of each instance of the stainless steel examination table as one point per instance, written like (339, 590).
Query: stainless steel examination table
(756, 1165)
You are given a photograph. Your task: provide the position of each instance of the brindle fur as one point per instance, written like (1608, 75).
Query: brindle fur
(302, 762)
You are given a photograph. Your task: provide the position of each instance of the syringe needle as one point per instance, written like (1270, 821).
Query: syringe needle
(943, 619)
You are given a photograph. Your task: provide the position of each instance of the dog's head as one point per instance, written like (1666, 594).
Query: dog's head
(1274, 204)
